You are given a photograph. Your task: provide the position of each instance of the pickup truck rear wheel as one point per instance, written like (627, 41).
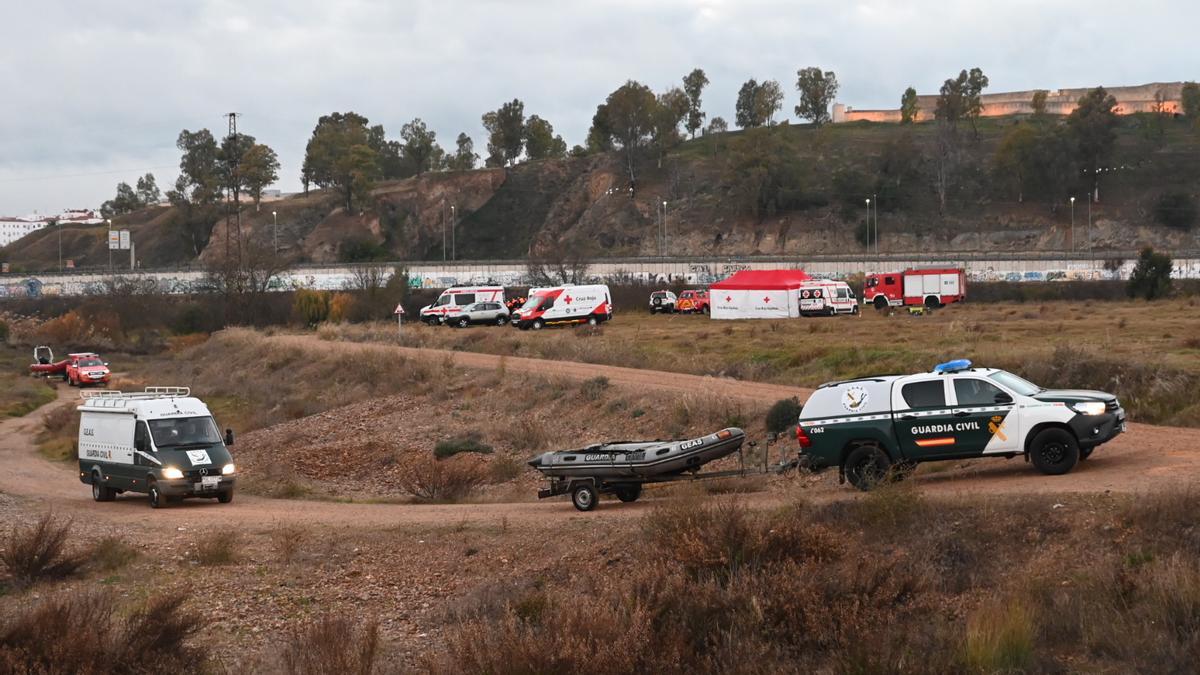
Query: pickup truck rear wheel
(867, 466)
(1054, 451)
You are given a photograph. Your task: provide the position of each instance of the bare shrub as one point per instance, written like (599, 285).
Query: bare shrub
(526, 435)
(593, 389)
(505, 468)
(287, 540)
(82, 632)
(39, 552)
(441, 481)
(111, 553)
(332, 644)
(218, 548)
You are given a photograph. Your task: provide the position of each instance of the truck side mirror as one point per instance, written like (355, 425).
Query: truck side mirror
(1003, 398)
(229, 437)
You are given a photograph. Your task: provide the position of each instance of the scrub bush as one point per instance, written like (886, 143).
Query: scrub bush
(593, 389)
(1151, 278)
(311, 307)
(84, 632)
(332, 644)
(39, 552)
(110, 553)
(783, 415)
(448, 481)
(472, 442)
(220, 548)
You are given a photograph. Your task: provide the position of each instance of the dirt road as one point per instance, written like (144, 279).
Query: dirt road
(1146, 459)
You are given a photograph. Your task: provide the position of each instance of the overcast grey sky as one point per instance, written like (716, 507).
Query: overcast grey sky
(96, 92)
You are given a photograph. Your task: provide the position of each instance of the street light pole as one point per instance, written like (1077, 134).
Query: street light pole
(443, 232)
(275, 219)
(110, 266)
(58, 224)
(453, 229)
(664, 226)
(876, 207)
(1072, 224)
(868, 226)
(1091, 253)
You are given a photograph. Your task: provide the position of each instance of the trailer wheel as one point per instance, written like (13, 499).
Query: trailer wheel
(100, 491)
(1054, 451)
(584, 497)
(157, 501)
(628, 493)
(866, 467)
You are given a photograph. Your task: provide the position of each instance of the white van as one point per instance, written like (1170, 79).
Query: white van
(452, 301)
(560, 305)
(826, 297)
(161, 442)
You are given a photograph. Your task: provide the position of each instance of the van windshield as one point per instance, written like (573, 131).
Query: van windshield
(442, 300)
(544, 301)
(184, 431)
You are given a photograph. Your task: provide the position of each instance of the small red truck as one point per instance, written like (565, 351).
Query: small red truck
(692, 301)
(929, 287)
(86, 368)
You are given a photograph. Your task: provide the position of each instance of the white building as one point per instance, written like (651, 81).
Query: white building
(13, 228)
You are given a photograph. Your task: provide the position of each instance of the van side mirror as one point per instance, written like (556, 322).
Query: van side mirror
(1003, 398)
(139, 444)
(229, 437)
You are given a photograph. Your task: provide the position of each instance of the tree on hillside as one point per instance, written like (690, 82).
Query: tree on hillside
(464, 156)
(230, 156)
(420, 147)
(126, 201)
(693, 85)
(260, 167)
(1035, 161)
(1151, 277)
(197, 190)
(599, 138)
(626, 120)
(1093, 125)
(1038, 102)
(1190, 102)
(671, 109)
(973, 91)
(389, 155)
(540, 141)
(717, 125)
(817, 91)
(960, 97)
(147, 190)
(765, 176)
(506, 133)
(909, 106)
(339, 156)
(757, 103)
(899, 172)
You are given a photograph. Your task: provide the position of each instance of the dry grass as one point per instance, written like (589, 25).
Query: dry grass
(221, 547)
(287, 540)
(332, 644)
(1000, 637)
(39, 552)
(58, 438)
(442, 481)
(111, 553)
(20, 395)
(86, 632)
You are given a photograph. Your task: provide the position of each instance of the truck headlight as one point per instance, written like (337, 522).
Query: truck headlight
(1088, 407)
(171, 473)
(228, 469)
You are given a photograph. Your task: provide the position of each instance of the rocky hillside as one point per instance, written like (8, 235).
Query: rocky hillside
(792, 190)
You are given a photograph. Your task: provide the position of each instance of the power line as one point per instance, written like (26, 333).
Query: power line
(85, 175)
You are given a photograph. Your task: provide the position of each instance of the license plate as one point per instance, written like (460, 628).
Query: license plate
(208, 483)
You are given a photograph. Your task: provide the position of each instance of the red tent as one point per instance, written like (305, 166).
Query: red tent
(757, 294)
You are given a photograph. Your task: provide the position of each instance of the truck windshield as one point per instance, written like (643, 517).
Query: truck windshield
(184, 431)
(1018, 384)
(533, 302)
(872, 282)
(90, 362)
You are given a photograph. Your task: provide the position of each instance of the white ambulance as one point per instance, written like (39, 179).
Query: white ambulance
(161, 442)
(452, 301)
(561, 305)
(827, 297)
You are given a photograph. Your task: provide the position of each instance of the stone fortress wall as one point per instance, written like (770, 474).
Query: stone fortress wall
(1135, 99)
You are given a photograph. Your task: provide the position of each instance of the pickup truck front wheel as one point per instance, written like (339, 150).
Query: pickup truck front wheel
(1054, 451)
(866, 466)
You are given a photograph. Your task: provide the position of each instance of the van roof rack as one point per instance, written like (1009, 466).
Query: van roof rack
(150, 392)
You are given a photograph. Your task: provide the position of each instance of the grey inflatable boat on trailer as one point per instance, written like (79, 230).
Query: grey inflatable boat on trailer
(622, 467)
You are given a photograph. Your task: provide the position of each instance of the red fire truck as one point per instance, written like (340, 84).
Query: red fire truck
(931, 288)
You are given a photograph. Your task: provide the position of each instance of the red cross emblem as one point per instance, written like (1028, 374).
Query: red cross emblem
(767, 299)
(567, 299)
(728, 298)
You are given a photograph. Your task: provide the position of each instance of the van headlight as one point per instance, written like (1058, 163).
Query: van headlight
(1088, 407)
(171, 473)
(228, 469)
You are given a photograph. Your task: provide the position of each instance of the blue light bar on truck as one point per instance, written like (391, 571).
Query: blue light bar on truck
(952, 366)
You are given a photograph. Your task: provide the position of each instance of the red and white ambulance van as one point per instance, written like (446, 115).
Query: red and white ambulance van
(826, 297)
(452, 301)
(561, 305)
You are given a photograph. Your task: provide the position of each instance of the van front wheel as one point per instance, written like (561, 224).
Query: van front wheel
(225, 497)
(157, 501)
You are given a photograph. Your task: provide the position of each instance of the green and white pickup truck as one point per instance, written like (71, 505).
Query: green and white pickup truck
(874, 427)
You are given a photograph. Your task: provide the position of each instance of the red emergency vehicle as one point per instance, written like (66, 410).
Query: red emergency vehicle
(928, 287)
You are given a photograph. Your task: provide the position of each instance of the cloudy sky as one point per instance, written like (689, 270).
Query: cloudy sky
(96, 92)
